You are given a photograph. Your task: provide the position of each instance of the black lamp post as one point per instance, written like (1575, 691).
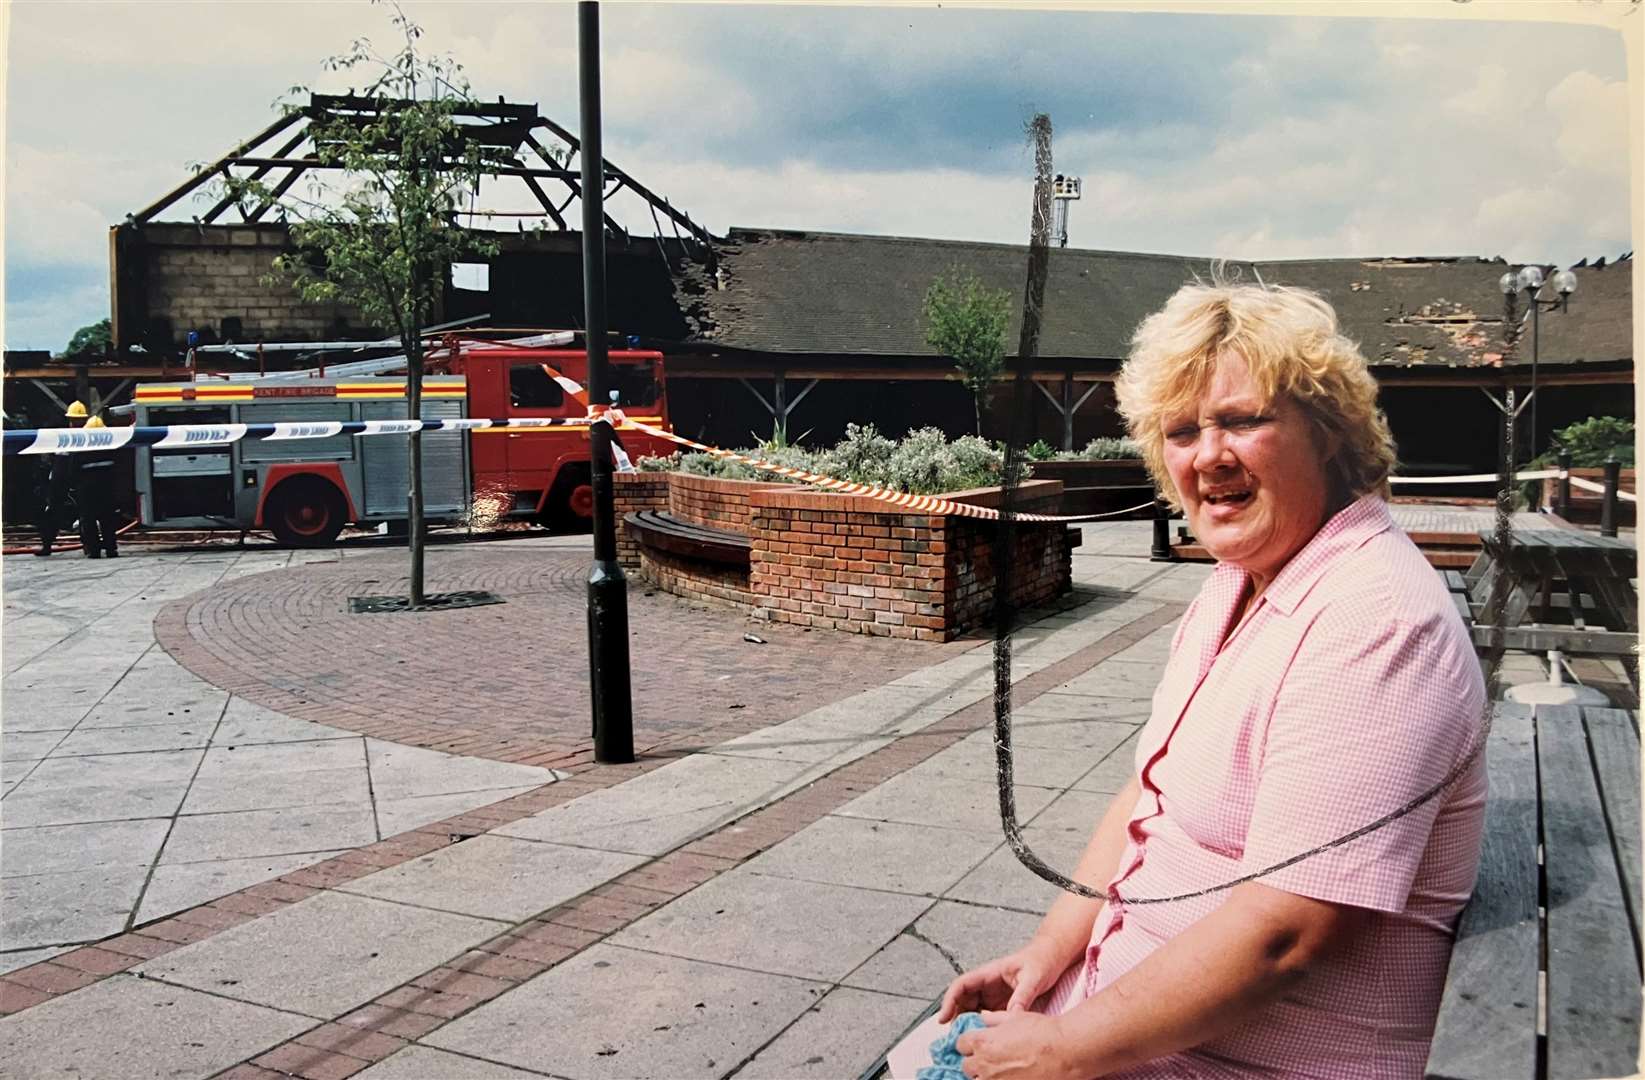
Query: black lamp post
(1530, 281)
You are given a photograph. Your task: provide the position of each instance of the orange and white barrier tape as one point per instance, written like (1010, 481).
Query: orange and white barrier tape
(923, 504)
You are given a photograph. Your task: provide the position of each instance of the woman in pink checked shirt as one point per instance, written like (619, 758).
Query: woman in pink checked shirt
(1319, 682)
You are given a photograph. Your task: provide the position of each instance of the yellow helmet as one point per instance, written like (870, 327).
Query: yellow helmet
(75, 411)
(94, 422)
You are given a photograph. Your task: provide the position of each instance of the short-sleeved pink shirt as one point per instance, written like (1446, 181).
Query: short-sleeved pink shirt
(1351, 690)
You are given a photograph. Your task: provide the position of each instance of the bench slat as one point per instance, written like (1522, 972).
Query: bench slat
(1593, 980)
(1616, 758)
(689, 539)
(1487, 1018)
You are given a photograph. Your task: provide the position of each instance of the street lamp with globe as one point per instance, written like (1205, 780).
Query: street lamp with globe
(1530, 280)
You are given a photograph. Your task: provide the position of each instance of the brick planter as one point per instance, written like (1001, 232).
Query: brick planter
(846, 562)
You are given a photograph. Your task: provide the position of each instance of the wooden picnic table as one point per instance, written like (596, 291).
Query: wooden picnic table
(1568, 589)
(1544, 979)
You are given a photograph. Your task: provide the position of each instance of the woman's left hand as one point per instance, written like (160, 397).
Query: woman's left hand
(1018, 1045)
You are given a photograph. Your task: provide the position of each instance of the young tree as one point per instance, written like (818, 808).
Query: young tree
(965, 320)
(379, 233)
(94, 338)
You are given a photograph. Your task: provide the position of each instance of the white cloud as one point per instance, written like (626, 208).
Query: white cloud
(1593, 116)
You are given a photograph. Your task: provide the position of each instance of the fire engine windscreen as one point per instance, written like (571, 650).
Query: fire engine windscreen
(635, 383)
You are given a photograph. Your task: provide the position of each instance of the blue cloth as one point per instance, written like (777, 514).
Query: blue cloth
(945, 1060)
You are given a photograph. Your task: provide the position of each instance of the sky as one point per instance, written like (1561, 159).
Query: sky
(1249, 137)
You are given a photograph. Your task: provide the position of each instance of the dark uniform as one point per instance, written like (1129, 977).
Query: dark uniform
(59, 483)
(94, 492)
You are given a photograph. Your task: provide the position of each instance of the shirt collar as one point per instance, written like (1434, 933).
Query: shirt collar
(1346, 530)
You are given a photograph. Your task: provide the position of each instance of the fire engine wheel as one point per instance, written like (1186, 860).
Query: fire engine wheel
(570, 506)
(305, 513)
(581, 501)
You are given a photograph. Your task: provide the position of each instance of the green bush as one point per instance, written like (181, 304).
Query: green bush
(1105, 448)
(1592, 440)
(1040, 450)
(924, 463)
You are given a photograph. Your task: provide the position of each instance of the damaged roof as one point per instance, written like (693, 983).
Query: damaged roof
(843, 294)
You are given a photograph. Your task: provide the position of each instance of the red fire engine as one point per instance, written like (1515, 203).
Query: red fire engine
(306, 490)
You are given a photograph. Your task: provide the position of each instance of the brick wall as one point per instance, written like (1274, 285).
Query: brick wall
(719, 504)
(849, 563)
(634, 492)
(696, 580)
(845, 562)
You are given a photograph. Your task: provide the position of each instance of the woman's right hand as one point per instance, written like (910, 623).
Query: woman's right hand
(1011, 982)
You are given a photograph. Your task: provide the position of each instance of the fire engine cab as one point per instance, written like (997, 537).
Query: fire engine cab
(306, 490)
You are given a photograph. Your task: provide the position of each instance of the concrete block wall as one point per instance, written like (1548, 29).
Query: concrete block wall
(198, 277)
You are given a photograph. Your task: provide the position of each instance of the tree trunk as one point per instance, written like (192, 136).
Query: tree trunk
(976, 405)
(414, 465)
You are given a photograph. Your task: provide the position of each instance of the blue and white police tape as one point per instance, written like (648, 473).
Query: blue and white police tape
(85, 440)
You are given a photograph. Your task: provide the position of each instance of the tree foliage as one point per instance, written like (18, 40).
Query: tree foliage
(380, 232)
(965, 320)
(1593, 440)
(98, 337)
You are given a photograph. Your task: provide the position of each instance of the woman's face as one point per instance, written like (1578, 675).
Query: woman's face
(1251, 478)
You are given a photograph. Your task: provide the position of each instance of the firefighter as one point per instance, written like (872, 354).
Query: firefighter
(94, 493)
(60, 483)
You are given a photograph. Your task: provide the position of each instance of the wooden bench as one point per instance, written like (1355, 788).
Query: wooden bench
(1566, 590)
(1545, 976)
(662, 531)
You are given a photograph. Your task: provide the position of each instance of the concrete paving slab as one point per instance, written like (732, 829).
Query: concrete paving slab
(136, 705)
(808, 739)
(402, 815)
(610, 1013)
(175, 887)
(82, 905)
(286, 757)
(14, 769)
(36, 801)
(520, 877)
(1113, 771)
(917, 859)
(749, 920)
(427, 1063)
(43, 710)
(814, 1047)
(285, 831)
(969, 806)
(896, 709)
(1060, 705)
(113, 770)
(30, 744)
(245, 724)
(400, 772)
(907, 966)
(1003, 881)
(1129, 679)
(135, 1030)
(974, 758)
(970, 935)
(53, 849)
(321, 956)
(1073, 811)
(13, 959)
(660, 810)
(187, 735)
(229, 792)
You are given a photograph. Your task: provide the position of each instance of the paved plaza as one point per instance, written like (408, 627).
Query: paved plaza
(199, 884)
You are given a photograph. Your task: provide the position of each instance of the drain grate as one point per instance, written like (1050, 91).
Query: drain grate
(370, 605)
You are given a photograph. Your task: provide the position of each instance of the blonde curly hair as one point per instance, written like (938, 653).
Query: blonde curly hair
(1289, 340)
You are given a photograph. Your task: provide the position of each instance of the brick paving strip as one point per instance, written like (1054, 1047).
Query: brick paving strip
(336, 1049)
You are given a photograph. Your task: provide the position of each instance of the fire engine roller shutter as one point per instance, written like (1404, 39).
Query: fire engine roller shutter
(335, 448)
(445, 472)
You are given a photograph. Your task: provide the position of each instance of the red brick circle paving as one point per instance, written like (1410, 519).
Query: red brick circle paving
(509, 681)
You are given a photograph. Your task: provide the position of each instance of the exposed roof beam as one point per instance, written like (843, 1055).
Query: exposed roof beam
(206, 174)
